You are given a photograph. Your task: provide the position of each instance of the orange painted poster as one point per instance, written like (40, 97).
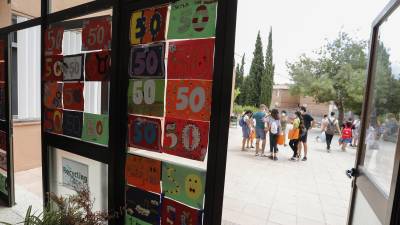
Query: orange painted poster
(143, 173)
(189, 99)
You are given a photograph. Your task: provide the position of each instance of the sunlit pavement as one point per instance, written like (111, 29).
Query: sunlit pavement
(261, 191)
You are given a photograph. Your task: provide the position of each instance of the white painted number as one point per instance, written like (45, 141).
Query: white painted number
(195, 100)
(95, 36)
(146, 92)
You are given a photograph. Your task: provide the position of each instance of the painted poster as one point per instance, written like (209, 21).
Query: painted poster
(3, 184)
(96, 33)
(53, 38)
(98, 66)
(95, 128)
(144, 133)
(73, 67)
(53, 69)
(186, 138)
(143, 173)
(143, 205)
(52, 94)
(183, 184)
(175, 213)
(72, 123)
(146, 97)
(189, 99)
(2, 101)
(193, 59)
(148, 25)
(73, 96)
(130, 220)
(191, 19)
(3, 141)
(75, 175)
(3, 160)
(147, 61)
(2, 50)
(2, 71)
(53, 119)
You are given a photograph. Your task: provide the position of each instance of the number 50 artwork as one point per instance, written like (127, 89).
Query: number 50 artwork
(146, 97)
(148, 25)
(96, 33)
(189, 99)
(144, 133)
(147, 61)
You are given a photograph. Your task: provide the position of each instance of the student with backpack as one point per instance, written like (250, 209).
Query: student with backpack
(274, 125)
(245, 123)
(330, 126)
(346, 137)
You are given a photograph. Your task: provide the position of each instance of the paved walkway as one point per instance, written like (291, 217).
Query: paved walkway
(260, 191)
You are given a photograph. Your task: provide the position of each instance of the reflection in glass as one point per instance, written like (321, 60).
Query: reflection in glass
(384, 111)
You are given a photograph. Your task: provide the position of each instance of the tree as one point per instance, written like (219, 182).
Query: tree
(256, 73)
(337, 74)
(240, 80)
(267, 81)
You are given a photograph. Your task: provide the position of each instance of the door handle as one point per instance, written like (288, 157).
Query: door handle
(351, 173)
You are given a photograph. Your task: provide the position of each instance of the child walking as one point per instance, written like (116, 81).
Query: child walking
(346, 137)
(274, 125)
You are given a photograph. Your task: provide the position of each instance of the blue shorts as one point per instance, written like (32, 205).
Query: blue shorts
(260, 133)
(246, 131)
(345, 140)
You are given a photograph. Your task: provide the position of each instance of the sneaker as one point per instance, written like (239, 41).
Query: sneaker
(293, 159)
(275, 158)
(304, 159)
(264, 155)
(271, 157)
(256, 154)
(252, 146)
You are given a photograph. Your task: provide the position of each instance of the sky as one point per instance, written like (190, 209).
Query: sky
(300, 26)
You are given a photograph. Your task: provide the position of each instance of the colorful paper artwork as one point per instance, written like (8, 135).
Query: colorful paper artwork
(2, 101)
(186, 138)
(72, 123)
(3, 141)
(191, 19)
(95, 128)
(192, 59)
(73, 67)
(3, 184)
(183, 184)
(2, 71)
(73, 96)
(189, 99)
(53, 94)
(144, 133)
(3, 160)
(2, 49)
(96, 33)
(147, 61)
(53, 119)
(98, 66)
(143, 205)
(175, 213)
(143, 173)
(53, 38)
(130, 220)
(146, 97)
(148, 25)
(53, 69)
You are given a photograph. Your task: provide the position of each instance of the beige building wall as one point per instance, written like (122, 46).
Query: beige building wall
(281, 98)
(26, 8)
(27, 145)
(316, 109)
(5, 13)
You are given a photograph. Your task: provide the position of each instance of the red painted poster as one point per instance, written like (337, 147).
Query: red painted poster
(175, 213)
(3, 160)
(53, 37)
(3, 141)
(53, 69)
(53, 121)
(73, 96)
(192, 59)
(186, 138)
(3, 98)
(52, 94)
(2, 71)
(98, 66)
(96, 33)
(2, 49)
(189, 99)
(148, 25)
(144, 133)
(143, 173)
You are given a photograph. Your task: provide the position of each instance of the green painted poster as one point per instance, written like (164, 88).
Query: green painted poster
(192, 19)
(184, 184)
(146, 97)
(130, 220)
(95, 128)
(3, 184)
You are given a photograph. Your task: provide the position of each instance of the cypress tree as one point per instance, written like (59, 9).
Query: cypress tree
(239, 83)
(268, 76)
(256, 72)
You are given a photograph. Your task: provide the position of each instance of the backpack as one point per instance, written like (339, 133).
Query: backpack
(274, 127)
(346, 133)
(241, 122)
(331, 127)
